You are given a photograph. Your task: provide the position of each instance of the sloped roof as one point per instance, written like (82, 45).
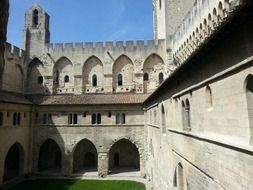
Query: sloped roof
(89, 99)
(8, 97)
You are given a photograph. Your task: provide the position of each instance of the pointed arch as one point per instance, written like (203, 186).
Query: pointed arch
(153, 65)
(85, 156)
(50, 157)
(14, 162)
(93, 66)
(123, 67)
(248, 85)
(62, 68)
(124, 156)
(179, 181)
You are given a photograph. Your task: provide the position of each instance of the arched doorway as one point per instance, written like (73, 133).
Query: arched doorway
(50, 157)
(124, 157)
(14, 163)
(85, 157)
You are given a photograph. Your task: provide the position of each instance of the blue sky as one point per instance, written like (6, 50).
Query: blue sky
(87, 20)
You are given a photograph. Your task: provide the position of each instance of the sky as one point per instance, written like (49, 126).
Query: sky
(87, 20)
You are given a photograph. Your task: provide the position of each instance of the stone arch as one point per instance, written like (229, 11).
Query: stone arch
(34, 70)
(248, 85)
(93, 66)
(14, 162)
(124, 66)
(50, 157)
(124, 156)
(85, 156)
(63, 67)
(153, 65)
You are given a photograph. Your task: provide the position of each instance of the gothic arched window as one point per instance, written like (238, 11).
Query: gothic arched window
(35, 18)
(120, 80)
(94, 80)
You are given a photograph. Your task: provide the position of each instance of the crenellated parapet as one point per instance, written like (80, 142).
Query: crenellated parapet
(14, 53)
(205, 17)
(98, 47)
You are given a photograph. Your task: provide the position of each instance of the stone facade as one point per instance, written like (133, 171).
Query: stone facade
(177, 109)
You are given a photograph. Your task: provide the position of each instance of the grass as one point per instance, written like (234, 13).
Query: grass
(62, 184)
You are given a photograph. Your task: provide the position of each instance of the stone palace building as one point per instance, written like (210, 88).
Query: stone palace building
(177, 110)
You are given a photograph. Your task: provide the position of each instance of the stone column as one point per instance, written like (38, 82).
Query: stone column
(67, 164)
(103, 164)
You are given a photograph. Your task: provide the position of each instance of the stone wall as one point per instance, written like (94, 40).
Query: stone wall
(208, 138)
(11, 134)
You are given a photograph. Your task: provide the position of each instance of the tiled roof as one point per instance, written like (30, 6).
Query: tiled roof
(13, 98)
(89, 99)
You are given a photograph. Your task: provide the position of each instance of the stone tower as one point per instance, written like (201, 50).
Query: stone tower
(36, 31)
(168, 14)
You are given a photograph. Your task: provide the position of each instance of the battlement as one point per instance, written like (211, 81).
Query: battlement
(201, 22)
(102, 46)
(14, 52)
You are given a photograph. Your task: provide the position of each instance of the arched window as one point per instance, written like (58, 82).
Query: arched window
(209, 98)
(188, 114)
(19, 119)
(98, 118)
(93, 119)
(40, 80)
(249, 96)
(120, 80)
(66, 79)
(161, 78)
(1, 119)
(160, 4)
(145, 77)
(94, 80)
(183, 114)
(14, 119)
(163, 120)
(35, 18)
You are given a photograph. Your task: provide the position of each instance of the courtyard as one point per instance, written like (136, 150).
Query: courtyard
(64, 184)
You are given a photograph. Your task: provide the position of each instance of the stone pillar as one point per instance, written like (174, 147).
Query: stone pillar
(67, 164)
(103, 164)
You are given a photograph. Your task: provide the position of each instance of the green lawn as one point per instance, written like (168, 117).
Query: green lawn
(61, 184)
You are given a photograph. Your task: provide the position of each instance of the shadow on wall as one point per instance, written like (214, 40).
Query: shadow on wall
(4, 14)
